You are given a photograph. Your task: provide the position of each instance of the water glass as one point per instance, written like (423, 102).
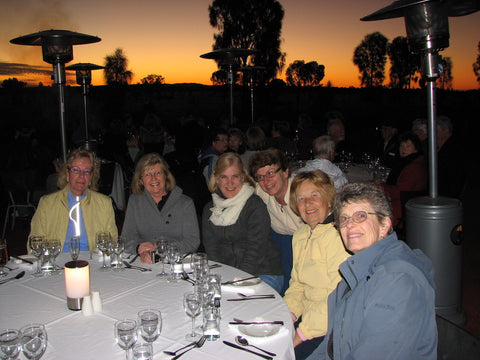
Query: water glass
(143, 352)
(117, 248)
(211, 323)
(103, 244)
(74, 246)
(126, 334)
(176, 265)
(162, 251)
(10, 344)
(149, 324)
(34, 341)
(3, 256)
(193, 307)
(199, 265)
(36, 244)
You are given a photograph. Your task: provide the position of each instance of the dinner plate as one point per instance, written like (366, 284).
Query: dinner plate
(250, 282)
(259, 330)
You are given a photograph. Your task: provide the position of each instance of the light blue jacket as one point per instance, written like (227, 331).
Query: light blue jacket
(384, 307)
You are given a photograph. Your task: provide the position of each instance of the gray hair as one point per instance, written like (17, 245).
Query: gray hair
(322, 147)
(359, 192)
(420, 125)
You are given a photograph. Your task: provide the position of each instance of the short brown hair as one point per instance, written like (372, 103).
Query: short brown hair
(318, 178)
(267, 157)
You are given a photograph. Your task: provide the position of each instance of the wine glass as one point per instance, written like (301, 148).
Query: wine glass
(192, 305)
(117, 247)
(55, 247)
(162, 251)
(10, 344)
(149, 324)
(34, 342)
(36, 244)
(126, 334)
(103, 240)
(74, 246)
(176, 266)
(3, 256)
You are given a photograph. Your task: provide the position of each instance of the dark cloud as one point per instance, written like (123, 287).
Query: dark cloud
(12, 69)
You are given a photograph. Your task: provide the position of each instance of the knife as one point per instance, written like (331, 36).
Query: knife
(27, 261)
(134, 258)
(247, 350)
(240, 280)
(252, 298)
(279, 322)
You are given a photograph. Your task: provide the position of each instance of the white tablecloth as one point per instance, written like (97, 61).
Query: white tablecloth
(74, 336)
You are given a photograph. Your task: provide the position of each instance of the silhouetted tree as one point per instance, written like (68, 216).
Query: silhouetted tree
(153, 79)
(370, 57)
(405, 66)
(13, 84)
(250, 24)
(300, 73)
(445, 79)
(476, 65)
(116, 68)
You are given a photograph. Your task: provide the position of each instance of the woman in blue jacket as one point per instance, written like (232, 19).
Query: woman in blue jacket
(384, 306)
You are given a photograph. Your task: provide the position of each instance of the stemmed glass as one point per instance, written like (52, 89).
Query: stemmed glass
(3, 256)
(192, 305)
(174, 257)
(126, 334)
(74, 247)
(10, 344)
(36, 244)
(117, 248)
(162, 251)
(34, 342)
(103, 244)
(199, 266)
(149, 324)
(55, 248)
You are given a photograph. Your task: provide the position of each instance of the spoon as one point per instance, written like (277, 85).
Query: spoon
(18, 276)
(240, 340)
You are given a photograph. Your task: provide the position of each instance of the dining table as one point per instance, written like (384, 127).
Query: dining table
(126, 291)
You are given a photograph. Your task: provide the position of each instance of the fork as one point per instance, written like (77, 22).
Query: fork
(198, 344)
(187, 278)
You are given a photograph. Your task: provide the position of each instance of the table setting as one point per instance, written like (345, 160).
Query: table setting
(182, 305)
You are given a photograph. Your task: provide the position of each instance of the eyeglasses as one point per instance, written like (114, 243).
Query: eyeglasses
(269, 174)
(77, 171)
(152, 175)
(357, 217)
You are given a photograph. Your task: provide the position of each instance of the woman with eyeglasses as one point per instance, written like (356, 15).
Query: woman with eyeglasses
(236, 224)
(78, 181)
(384, 307)
(317, 253)
(158, 208)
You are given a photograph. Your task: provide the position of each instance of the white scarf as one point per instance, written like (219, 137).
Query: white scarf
(225, 212)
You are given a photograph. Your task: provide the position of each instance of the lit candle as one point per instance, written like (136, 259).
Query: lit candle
(77, 283)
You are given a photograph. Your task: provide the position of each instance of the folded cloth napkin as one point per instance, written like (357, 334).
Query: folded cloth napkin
(25, 265)
(247, 290)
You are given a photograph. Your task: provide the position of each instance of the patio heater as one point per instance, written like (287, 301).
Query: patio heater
(57, 49)
(227, 57)
(251, 71)
(83, 73)
(434, 223)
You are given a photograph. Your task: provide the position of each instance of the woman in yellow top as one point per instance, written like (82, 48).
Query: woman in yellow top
(78, 180)
(317, 253)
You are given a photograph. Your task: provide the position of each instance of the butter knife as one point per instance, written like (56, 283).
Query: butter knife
(247, 350)
(240, 280)
(252, 298)
(279, 322)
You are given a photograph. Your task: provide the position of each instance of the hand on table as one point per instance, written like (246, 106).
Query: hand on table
(144, 250)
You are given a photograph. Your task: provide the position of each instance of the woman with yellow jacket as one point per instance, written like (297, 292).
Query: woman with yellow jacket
(317, 253)
(77, 180)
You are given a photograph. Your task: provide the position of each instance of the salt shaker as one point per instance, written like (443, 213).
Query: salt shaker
(97, 301)
(87, 306)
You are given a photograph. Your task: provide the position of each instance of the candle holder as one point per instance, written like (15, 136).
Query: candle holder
(77, 283)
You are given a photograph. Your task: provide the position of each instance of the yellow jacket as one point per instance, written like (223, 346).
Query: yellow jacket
(316, 259)
(51, 218)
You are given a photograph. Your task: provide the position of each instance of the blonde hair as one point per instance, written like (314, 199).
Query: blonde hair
(223, 163)
(71, 157)
(148, 161)
(318, 178)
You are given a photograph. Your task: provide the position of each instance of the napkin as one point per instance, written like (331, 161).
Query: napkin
(247, 290)
(24, 265)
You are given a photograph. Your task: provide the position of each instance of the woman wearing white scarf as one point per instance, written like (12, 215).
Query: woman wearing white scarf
(236, 224)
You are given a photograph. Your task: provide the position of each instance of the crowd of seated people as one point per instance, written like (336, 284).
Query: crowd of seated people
(294, 231)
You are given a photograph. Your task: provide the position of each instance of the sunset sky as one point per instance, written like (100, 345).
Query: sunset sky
(167, 37)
